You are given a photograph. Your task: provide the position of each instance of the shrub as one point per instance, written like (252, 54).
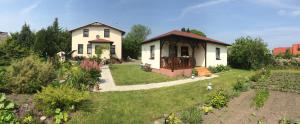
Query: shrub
(7, 115)
(64, 97)
(242, 85)
(172, 119)
(260, 97)
(263, 73)
(192, 116)
(60, 116)
(218, 99)
(249, 53)
(29, 75)
(81, 79)
(218, 68)
(93, 68)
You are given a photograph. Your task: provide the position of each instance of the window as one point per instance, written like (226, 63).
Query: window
(184, 51)
(80, 49)
(113, 49)
(152, 52)
(89, 48)
(85, 32)
(106, 32)
(218, 54)
(298, 49)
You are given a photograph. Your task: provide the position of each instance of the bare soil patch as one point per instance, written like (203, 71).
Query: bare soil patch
(239, 110)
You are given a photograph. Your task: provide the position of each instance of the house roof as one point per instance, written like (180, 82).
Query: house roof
(99, 40)
(186, 35)
(98, 24)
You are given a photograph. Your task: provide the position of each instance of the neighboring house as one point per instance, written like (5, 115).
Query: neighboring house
(3, 35)
(177, 50)
(295, 50)
(91, 39)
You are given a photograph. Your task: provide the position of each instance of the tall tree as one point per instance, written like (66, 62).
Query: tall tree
(132, 41)
(26, 37)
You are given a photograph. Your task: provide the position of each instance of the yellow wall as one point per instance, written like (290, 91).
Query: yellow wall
(77, 38)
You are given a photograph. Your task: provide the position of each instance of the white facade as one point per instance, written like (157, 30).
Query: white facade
(211, 54)
(96, 29)
(155, 62)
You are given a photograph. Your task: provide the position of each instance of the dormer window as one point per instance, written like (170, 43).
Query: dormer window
(106, 32)
(85, 32)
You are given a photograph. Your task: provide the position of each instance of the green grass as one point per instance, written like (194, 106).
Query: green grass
(143, 107)
(260, 98)
(129, 74)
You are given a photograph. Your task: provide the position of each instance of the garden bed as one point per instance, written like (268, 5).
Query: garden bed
(239, 111)
(282, 80)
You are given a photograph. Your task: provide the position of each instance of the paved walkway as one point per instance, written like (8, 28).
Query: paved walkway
(108, 84)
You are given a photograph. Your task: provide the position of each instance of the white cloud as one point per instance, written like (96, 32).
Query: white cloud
(28, 9)
(189, 9)
(286, 7)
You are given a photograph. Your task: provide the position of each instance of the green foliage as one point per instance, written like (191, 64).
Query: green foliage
(198, 32)
(242, 85)
(55, 38)
(249, 53)
(29, 75)
(192, 116)
(26, 37)
(10, 50)
(261, 75)
(131, 43)
(218, 99)
(288, 121)
(260, 97)
(60, 116)
(7, 115)
(288, 54)
(172, 119)
(81, 79)
(218, 68)
(64, 97)
(28, 120)
(206, 109)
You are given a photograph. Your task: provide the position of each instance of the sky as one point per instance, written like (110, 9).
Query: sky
(277, 22)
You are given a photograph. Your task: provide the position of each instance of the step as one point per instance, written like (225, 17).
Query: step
(202, 71)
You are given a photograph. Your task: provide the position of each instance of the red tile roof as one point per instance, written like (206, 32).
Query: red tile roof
(100, 41)
(187, 35)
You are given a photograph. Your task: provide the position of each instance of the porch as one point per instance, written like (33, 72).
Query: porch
(178, 53)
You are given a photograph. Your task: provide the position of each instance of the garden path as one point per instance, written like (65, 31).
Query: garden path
(108, 84)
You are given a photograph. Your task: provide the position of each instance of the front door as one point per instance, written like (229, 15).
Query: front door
(172, 51)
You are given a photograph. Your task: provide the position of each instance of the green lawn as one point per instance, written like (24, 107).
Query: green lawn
(129, 74)
(143, 107)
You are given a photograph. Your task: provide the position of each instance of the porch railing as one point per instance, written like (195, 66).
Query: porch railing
(174, 63)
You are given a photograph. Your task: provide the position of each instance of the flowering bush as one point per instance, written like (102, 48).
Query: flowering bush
(90, 65)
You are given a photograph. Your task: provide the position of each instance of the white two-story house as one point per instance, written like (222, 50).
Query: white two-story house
(97, 39)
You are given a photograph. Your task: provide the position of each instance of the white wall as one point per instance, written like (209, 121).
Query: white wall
(211, 55)
(77, 38)
(155, 63)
